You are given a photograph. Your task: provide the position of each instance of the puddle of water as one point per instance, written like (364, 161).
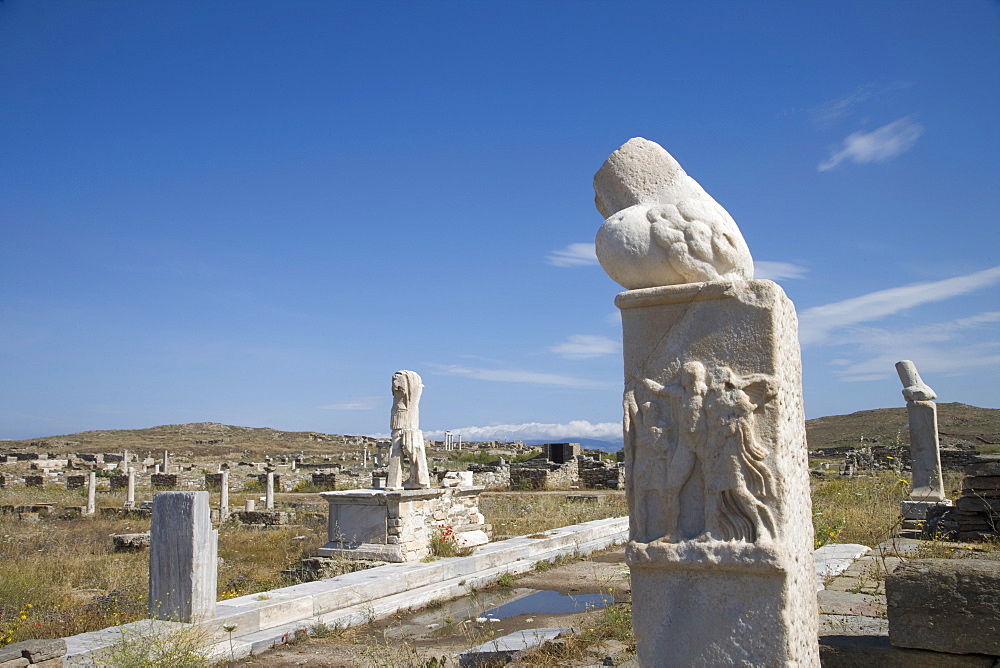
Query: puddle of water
(549, 602)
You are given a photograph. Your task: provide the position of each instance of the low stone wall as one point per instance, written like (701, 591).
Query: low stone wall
(542, 474)
(213, 481)
(491, 476)
(264, 517)
(33, 653)
(164, 480)
(897, 457)
(601, 474)
(76, 481)
(976, 514)
(118, 482)
(325, 481)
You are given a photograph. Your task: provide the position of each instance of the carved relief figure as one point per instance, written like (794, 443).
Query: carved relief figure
(646, 442)
(687, 399)
(407, 439)
(737, 477)
(712, 423)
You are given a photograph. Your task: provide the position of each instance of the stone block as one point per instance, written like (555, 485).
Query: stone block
(183, 558)
(866, 651)
(946, 605)
(511, 646)
(986, 465)
(37, 651)
(130, 542)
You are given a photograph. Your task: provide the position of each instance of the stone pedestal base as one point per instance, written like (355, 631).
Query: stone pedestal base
(915, 512)
(716, 472)
(709, 622)
(398, 525)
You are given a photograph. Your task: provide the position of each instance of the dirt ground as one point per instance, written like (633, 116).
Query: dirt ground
(446, 630)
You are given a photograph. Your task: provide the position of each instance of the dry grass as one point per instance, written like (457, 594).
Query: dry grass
(526, 513)
(73, 580)
(864, 509)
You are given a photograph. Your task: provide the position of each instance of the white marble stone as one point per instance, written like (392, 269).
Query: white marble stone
(269, 491)
(91, 493)
(129, 487)
(224, 495)
(835, 558)
(717, 477)
(407, 439)
(457, 479)
(661, 227)
(720, 524)
(182, 558)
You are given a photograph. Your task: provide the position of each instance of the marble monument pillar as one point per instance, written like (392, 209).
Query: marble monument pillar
(720, 538)
(925, 453)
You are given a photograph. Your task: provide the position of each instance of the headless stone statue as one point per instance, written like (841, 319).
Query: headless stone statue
(407, 439)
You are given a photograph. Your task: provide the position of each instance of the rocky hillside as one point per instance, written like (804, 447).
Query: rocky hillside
(198, 439)
(956, 422)
(887, 426)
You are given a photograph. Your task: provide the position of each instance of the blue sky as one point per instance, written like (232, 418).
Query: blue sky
(255, 212)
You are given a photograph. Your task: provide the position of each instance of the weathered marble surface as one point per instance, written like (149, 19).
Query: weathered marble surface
(183, 558)
(925, 449)
(407, 439)
(717, 477)
(720, 536)
(661, 227)
(947, 605)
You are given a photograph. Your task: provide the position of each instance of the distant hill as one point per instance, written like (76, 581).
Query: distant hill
(198, 438)
(956, 422)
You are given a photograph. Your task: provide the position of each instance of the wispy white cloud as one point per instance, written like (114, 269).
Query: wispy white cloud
(830, 111)
(355, 404)
(585, 346)
(536, 430)
(945, 348)
(574, 255)
(817, 323)
(777, 271)
(879, 145)
(514, 376)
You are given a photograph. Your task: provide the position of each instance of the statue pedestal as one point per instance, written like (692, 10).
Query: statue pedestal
(720, 537)
(399, 525)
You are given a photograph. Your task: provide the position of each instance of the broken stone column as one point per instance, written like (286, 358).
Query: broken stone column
(224, 495)
(91, 493)
(925, 453)
(269, 491)
(166, 462)
(720, 537)
(182, 558)
(249, 505)
(130, 489)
